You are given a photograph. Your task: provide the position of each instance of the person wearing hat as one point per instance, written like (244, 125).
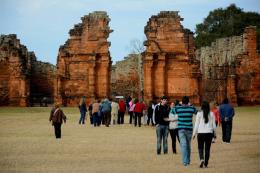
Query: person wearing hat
(57, 117)
(161, 116)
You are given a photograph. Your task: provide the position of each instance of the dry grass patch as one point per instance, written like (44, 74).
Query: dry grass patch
(28, 146)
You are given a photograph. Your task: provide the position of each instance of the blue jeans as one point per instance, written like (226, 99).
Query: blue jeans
(185, 144)
(162, 135)
(82, 118)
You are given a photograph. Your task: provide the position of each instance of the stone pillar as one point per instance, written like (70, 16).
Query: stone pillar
(105, 72)
(148, 84)
(161, 75)
(231, 89)
(91, 79)
(23, 92)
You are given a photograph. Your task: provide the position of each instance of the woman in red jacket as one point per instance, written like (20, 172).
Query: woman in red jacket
(138, 111)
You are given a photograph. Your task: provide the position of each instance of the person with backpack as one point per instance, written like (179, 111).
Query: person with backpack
(57, 117)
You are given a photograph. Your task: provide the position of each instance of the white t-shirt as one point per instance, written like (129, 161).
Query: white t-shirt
(201, 126)
(174, 124)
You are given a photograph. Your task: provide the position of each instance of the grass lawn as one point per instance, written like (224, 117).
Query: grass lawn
(28, 145)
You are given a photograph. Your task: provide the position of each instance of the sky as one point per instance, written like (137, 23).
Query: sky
(43, 25)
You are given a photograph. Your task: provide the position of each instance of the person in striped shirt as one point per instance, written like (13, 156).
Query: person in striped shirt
(185, 113)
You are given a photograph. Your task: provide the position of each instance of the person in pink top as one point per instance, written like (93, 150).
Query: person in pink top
(131, 110)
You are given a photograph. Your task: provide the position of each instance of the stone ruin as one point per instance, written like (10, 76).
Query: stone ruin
(227, 68)
(230, 68)
(170, 66)
(84, 62)
(22, 78)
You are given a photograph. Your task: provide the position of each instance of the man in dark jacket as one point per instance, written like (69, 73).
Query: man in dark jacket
(161, 115)
(57, 116)
(227, 113)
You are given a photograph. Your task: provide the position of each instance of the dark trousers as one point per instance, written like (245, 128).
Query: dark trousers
(162, 136)
(138, 117)
(91, 118)
(95, 119)
(120, 117)
(204, 142)
(82, 118)
(57, 129)
(174, 135)
(107, 118)
(226, 130)
(150, 118)
(131, 117)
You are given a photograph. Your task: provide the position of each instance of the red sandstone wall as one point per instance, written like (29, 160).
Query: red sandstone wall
(22, 77)
(84, 62)
(230, 68)
(170, 67)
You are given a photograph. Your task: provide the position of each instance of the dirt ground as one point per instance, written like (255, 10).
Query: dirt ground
(28, 145)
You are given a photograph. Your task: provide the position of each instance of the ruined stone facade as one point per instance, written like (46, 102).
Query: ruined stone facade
(19, 80)
(84, 62)
(170, 67)
(125, 77)
(43, 77)
(231, 68)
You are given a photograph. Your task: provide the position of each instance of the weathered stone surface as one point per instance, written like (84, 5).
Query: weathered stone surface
(170, 67)
(43, 77)
(125, 77)
(19, 77)
(84, 62)
(230, 68)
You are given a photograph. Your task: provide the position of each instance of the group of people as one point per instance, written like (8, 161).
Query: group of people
(175, 119)
(106, 112)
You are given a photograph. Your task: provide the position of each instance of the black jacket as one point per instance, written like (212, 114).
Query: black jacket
(160, 113)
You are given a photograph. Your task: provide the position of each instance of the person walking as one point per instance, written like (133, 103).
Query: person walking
(138, 112)
(204, 128)
(150, 110)
(131, 110)
(161, 115)
(95, 112)
(82, 110)
(215, 110)
(114, 111)
(227, 113)
(121, 112)
(106, 110)
(185, 113)
(57, 117)
(173, 128)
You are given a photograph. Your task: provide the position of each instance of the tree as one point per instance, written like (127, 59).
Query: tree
(225, 23)
(136, 46)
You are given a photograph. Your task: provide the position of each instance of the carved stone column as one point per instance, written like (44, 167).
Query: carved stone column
(91, 77)
(105, 72)
(231, 89)
(161, 74)
(148, 84)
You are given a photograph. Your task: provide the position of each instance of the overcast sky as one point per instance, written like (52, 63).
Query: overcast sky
(43, 25)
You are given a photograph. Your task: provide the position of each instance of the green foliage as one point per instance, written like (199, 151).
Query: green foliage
(225, 23)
